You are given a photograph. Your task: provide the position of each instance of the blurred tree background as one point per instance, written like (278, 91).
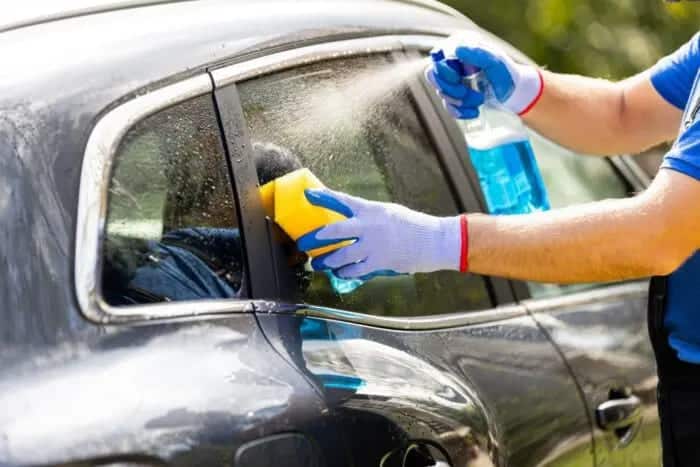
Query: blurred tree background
(603, 38)
(610, 39)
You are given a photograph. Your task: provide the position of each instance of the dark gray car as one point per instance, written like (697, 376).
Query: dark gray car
(151, 314)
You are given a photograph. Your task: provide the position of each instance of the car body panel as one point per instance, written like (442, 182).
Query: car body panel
(463, 387)
(176, 392)
(603, 335)
(193, 390)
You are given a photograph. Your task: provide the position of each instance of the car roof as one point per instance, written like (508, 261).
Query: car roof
(42, 11)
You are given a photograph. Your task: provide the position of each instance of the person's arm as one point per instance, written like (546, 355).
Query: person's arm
(650, 234)
(596, 116)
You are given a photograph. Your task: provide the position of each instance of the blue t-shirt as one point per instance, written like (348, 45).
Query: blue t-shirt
(676, 79)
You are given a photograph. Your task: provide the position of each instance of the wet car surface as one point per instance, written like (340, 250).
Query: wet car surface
(128, 164)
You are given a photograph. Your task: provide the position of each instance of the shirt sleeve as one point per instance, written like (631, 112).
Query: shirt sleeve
(673, 75)
(684, 156)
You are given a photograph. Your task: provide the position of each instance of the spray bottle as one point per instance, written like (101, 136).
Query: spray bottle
(501, 154)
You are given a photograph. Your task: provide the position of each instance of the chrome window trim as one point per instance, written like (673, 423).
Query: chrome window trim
(100, 150)
(415, 323)
(104, 141)
(471, 318)
(601, 294)
(318, 52)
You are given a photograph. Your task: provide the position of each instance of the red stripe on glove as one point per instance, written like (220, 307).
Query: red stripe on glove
(464, 254)
(537, 97)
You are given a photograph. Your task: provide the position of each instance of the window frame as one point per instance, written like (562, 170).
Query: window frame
(262, 258)
(226, 79)
(100, 152)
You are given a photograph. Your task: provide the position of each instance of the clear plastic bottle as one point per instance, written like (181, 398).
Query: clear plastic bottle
(500, 151)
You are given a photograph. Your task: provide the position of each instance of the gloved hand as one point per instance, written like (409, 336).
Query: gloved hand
(389, 238)
(515, 86)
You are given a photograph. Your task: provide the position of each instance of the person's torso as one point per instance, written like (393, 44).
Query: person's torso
(682, 318)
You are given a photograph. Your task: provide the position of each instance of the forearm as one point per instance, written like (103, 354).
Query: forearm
(596, 116)
(604, 241)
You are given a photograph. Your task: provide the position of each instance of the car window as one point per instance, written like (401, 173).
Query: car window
(570, 178)
(172, 228)
(356, 128)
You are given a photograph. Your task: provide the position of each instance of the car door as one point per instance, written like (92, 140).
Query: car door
(599, 328)
(424, 369)
(171, 367)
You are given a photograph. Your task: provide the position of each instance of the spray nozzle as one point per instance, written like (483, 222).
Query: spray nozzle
(464, 70)
(471, 74)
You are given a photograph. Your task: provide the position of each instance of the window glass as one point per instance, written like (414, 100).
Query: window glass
(570, 178)
(172, 229)
(356, 128)
(573, 178)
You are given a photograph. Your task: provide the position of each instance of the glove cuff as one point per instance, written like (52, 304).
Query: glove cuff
(528, 89)
(464, 240)
(449, 249)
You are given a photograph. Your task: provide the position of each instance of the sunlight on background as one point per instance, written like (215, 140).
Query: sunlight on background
(610, 39)
(606, 38)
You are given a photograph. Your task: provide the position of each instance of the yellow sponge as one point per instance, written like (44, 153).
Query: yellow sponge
(284, 201)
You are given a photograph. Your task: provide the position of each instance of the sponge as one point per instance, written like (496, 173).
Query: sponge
(284, 202)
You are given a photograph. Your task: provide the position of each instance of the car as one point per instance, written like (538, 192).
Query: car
(154, 314)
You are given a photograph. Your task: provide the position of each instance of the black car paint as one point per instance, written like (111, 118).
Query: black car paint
(455, 387)
(607, 347)
(193, 391)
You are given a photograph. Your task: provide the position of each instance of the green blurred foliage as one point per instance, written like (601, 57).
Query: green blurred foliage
(603, 38)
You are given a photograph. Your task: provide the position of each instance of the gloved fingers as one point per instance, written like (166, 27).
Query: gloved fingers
(462, 97)
(461, 112)
(329, 235)
(446, 73)
(431, 79)
(454, 90)
(356, 270)
(478, 56)
(334, 200)
(339, 258)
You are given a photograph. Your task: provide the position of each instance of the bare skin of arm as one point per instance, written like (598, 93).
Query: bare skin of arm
(650, 234)
(596, 116)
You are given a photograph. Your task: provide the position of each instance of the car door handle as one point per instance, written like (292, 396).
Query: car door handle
(616, 414)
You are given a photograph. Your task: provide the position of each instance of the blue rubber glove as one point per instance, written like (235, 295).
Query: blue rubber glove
(514, 86)
(388, 238)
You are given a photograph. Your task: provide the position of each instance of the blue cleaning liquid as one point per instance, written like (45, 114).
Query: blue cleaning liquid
(508, 173)
(343, 286)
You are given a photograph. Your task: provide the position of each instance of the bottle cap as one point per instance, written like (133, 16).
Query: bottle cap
(437, 55)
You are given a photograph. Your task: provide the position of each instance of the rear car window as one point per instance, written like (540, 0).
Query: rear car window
(360, 135)
(172, 228)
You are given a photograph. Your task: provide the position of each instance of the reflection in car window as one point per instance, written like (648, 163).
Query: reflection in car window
(368, 145)
(172, 229)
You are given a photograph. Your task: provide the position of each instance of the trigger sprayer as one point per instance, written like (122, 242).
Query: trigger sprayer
(501, 154)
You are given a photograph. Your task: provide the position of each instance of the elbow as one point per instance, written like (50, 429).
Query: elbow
(669, 249)
(666, 261)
